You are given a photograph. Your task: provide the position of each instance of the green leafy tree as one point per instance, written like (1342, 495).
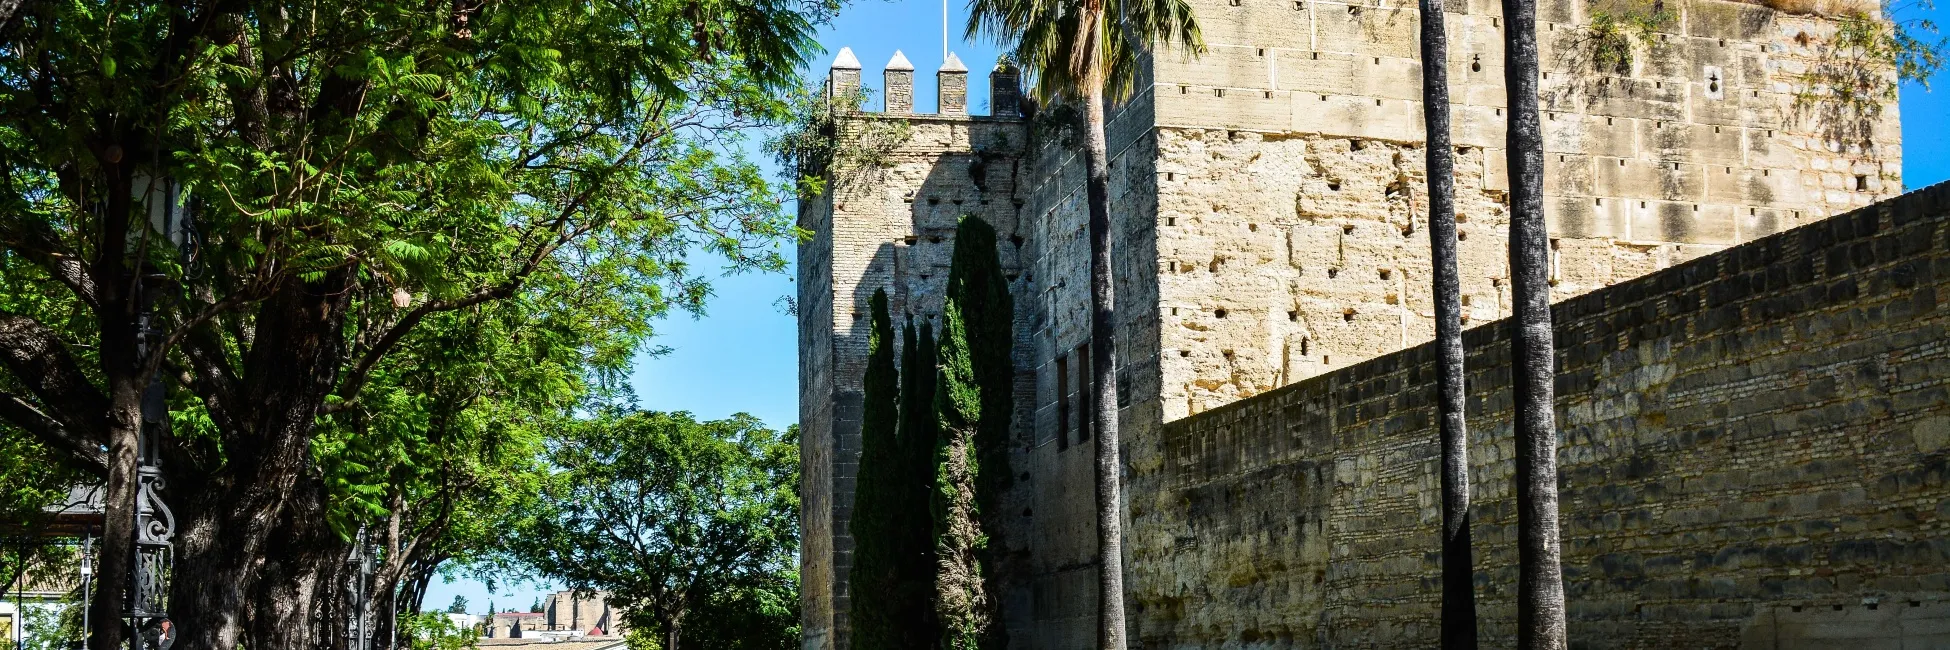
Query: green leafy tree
(356, 172)
(914, 527)
(879, 614)
(972, 399)
(434, 631)
(459, 606)
(54, 628)
(691, 527)
(1090, 52)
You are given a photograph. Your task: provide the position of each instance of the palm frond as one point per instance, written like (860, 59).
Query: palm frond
(1063, 47)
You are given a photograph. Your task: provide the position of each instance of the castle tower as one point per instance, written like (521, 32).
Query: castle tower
(1271, 227)
(887, 228)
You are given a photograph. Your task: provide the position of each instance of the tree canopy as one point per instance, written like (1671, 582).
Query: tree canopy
(421, 235)
(691, 527)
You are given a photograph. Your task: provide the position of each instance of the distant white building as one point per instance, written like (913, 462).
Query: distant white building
(465, 621)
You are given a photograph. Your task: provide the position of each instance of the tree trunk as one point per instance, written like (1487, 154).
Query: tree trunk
(1458, 566)
(673, 629)
(1103, 373)
(121, 363)
(208, 609)
(117, 559)
(254, 550)
(1540, 584)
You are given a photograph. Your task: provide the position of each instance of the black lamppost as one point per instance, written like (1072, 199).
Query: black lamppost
(155, 526)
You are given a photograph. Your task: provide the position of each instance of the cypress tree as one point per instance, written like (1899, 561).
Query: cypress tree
(914, 533)
(876, 496)
(973, 401)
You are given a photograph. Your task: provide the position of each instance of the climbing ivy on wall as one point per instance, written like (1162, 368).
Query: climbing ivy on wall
(829, 143)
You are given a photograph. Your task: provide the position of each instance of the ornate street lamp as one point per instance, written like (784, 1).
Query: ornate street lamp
(155, 526)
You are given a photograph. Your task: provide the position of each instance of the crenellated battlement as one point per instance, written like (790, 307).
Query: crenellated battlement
(951, 86)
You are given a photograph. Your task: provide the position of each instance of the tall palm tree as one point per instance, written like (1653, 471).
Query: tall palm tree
(1090, 51)
(1540, 579)
(1458, 594)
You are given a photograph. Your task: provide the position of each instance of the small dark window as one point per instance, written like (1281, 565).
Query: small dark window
(1861, 183)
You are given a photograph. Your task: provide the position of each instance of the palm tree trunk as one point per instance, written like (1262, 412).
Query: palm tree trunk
(1458, 566)
(1540, 583)
(1103, 373)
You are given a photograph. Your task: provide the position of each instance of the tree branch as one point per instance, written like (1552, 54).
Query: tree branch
(356, 380)
(211, 375)
(39, 360)
(32, 239)
(50, 433)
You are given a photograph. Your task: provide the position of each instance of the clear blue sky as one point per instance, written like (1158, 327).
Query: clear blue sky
(742, 354)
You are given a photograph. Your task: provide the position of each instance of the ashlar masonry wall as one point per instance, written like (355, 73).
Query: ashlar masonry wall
(1291, 221)
(1754, 452)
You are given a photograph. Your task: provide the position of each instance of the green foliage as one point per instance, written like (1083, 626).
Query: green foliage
(1049, 40)
(877, 619)
(692, 527)
(1619, 27)
(973, 401)
(459, 606)
(488, 205)
(829, 143)
(28, 484)
(54, 628)
(1850, 81)
(919, 430)
(434, 631)
(979, 310)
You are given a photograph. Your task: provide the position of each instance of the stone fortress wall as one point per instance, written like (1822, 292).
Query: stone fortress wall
(1754, 453)
(1269, 228)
